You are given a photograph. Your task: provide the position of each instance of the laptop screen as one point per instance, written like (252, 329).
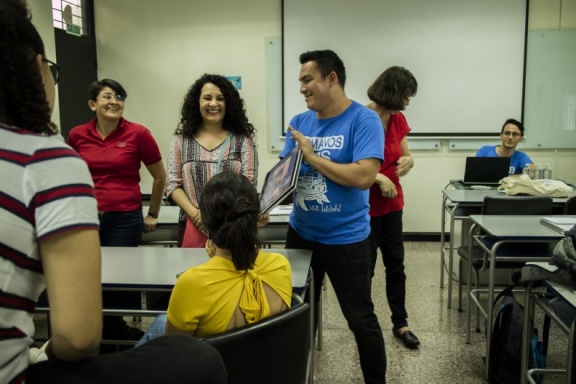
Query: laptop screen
(486, 170)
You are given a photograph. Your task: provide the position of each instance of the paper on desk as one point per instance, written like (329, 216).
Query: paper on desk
(281, 210)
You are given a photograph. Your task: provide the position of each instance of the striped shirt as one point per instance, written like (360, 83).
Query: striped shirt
(46, 189)
(190, 165)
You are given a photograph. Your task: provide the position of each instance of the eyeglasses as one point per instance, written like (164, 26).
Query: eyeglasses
(109, 97)
(510, 133)
(54, 69)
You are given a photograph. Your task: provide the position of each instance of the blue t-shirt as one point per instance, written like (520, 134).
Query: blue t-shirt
(324, 211)
(517, 161)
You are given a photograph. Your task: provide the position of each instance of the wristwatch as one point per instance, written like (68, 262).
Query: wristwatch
(153, 215)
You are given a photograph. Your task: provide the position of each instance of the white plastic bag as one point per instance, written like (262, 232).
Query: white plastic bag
(523, 185)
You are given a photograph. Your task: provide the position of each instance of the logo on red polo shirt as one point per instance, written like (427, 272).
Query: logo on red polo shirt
(121, 144)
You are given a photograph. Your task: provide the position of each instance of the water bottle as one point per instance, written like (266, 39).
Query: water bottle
(539, 171)
(526, 170)
(547, 172)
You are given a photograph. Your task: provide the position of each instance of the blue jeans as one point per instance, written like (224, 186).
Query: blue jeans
(387, 235)
(156, 329)
(121, 229)
(349, 268)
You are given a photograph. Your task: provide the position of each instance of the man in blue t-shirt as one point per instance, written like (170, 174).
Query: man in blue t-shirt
(342, 145)
(512, 134)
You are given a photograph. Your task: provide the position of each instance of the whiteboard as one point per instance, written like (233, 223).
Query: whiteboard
(550, 100)
(467, 56)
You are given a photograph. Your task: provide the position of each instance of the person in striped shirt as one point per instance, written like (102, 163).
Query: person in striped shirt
(49, 240)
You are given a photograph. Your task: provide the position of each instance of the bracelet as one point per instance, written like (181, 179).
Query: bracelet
(153, 215)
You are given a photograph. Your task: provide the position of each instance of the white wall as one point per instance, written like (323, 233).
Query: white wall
(157, 49)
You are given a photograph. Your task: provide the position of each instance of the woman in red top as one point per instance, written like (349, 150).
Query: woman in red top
(115, 149)
(389, 94)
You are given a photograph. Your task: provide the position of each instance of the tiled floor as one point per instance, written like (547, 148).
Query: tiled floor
(443, 357)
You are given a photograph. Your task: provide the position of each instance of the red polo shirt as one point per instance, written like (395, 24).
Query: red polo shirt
(114, 162)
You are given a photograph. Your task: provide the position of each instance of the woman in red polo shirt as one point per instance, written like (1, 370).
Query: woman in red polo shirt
(114, 149)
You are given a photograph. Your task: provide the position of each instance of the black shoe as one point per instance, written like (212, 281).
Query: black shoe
(125, 333)
(408, 338)
(129, 333)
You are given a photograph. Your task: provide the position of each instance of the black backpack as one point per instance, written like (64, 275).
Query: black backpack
(564, 256)
(506, 343)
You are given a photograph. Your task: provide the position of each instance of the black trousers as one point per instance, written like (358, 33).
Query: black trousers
(387, 235)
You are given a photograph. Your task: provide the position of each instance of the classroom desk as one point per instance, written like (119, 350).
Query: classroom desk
(166, 232)
(505, 230)
(275, 231)
(459, 204)
(146, 271)
(562, 313)
(156, 267)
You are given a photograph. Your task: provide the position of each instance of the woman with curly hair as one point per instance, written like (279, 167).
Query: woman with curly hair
(213, 136)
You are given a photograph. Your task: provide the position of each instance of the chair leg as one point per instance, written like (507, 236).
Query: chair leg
(460, 285)
(477, 285)
(320, 305)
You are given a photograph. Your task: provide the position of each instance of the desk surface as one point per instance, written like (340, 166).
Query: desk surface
(157, 266)
(564, 291)
(516, 226)
(167, 230)
(169, 215)
(477, 196)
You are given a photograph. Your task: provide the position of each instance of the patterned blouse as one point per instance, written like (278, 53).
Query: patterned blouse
(190, 165)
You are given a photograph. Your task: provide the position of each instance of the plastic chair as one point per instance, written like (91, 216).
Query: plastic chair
(499, 205)
(274, 350)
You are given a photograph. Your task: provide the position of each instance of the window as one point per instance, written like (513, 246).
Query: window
(66, 12)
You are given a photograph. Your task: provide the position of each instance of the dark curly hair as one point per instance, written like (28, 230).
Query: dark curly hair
(22, 95)
(230, 208)
(392, 88)
(235, 120)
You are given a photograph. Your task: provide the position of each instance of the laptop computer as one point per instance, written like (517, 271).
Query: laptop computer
(281, 181)
(485, 170)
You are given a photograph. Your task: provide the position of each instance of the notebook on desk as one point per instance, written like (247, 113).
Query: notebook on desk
(559, 224)
(485, 170)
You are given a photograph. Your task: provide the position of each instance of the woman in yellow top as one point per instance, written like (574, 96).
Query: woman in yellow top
(239, 284)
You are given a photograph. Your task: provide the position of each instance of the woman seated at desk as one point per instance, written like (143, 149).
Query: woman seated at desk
(239, 284)
(512, 133)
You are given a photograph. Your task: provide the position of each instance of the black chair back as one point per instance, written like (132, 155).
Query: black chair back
(517, 205)
(273, 350)
(570, 206)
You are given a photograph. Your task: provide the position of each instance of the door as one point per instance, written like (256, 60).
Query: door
(78, 69)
